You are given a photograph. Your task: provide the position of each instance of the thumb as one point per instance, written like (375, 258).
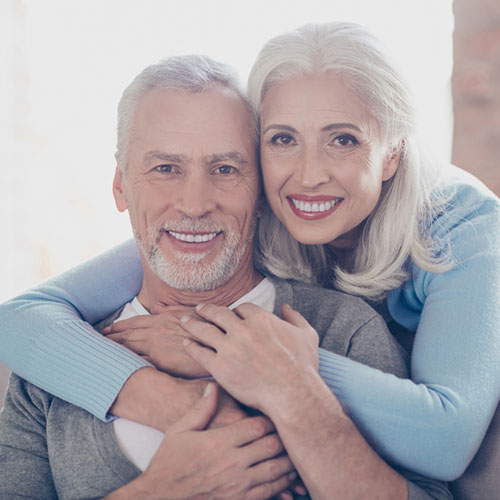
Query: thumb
(199, 416)
(292, 316)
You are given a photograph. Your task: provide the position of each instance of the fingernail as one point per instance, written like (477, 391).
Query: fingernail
(208, 390)
(292, 475)
(184, 319)
(200, 307)
(186, 342)
(300, 490)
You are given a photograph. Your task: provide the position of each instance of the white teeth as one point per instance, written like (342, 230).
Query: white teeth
(315, 207)
(191, 238)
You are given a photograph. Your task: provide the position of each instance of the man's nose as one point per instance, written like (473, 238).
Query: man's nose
(196, 197)
(312, 170)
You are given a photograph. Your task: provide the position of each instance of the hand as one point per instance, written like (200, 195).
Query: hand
(239, 461)
(228, 411)
(260, 359)
(158, 338)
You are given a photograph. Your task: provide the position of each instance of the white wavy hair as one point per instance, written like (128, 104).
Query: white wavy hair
(395, 231)
(192, 73)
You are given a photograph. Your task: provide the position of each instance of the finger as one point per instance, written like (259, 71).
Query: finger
(294, 317)
(176, 310)
(148, 358)
(141, 321)
(207, 334)
(248, 430)
(272, 488)
(199, 416)
(270, 470)
(247, 310)
(264, 448)
(300, 489)
(130, 337)
(285, 495)
(140, 347)
(202, 355)
(223, 317)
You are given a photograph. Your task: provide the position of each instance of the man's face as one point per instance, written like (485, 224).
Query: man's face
(191, 185)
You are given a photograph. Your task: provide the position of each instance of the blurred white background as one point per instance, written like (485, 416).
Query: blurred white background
(64, 64)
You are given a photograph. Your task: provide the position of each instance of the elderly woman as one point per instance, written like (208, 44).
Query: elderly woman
(357, 206)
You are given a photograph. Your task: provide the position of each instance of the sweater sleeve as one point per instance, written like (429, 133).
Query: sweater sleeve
(44, 339)
(24, 460)
(434, 423)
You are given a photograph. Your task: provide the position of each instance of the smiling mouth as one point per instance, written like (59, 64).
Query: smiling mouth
(191, 237)
(316, 208)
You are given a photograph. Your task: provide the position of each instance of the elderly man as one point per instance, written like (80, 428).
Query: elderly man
(187, 174)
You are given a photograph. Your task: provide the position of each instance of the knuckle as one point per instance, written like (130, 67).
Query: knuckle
(234, 415)
(273, 470)
(273, 444)
(267, 490)
(259, 427)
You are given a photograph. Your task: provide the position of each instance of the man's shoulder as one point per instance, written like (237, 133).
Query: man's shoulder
(26, 397)
(313, 299)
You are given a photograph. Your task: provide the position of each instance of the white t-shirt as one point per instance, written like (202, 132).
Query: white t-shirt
(139, 442)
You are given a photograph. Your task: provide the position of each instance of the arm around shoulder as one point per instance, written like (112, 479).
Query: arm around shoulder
(51, 346)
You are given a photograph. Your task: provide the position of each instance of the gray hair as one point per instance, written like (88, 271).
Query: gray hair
(192, 73)
(395, 231)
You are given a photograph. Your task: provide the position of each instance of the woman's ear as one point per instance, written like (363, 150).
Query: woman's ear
(391, 161)
(118, 191)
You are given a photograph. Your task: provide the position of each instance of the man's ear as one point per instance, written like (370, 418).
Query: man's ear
(118, 193)
(391, 162)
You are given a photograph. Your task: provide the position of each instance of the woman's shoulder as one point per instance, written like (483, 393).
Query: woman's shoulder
(462, 191)
(462, 201)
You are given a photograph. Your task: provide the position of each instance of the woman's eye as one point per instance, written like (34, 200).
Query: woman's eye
(225, 170)
(345, 140)
(281, 139)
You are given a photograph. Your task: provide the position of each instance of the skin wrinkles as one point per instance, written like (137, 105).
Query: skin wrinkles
(324, 144)
(192, 164)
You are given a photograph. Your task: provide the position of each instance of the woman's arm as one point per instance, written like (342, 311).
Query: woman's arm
(271, 365)
(45, 340)
(435, 423)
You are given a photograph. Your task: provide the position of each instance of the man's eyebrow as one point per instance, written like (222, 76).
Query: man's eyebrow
(164, 157)
(234, 156)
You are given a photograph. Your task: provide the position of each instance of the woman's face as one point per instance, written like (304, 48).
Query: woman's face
(323, 159)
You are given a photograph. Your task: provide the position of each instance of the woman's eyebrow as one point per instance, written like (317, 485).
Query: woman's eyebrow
(335, 126)
(279, 126)
(326, 128)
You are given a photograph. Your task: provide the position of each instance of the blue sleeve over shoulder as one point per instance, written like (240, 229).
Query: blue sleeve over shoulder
(44, 339)
(434, 423)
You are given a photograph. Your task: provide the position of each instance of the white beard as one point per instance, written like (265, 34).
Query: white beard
(188, 271)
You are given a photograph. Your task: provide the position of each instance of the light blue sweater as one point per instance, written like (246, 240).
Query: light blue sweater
(432, 424)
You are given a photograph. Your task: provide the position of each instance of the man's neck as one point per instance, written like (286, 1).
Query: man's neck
(155, 294)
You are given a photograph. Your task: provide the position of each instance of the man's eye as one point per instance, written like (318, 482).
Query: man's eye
(345, 140)
(281, 139)
(164, 169)
(225, 169)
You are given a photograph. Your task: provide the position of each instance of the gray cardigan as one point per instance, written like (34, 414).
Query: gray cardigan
(50, 449)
